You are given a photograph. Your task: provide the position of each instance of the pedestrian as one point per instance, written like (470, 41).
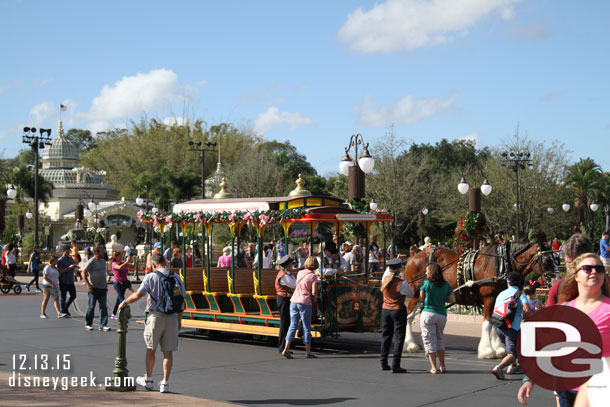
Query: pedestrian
(176, 261)
(285, 284)
(34, 267)
(161, 328)
(170, 250)
(94, 275)
(76, 257)
(50, 282)
(224, 261)
(301, 305)
(354, 260)
(393, 314)
(587, 289)
(604, 249)
(9, 261)
(67, 268)
(434, 292)
(576, 245)
(532, 299)
(120, 280)
(373, 256)
(508, 334)
(156, 249)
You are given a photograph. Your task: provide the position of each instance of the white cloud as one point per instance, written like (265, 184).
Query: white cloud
(171, 120)
(133, 95)
(402, 25)
(272, 117)
(473, 137)
(42, 112)
(405, 110)
(549, 97)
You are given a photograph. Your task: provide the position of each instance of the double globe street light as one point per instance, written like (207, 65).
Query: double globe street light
(356, 168)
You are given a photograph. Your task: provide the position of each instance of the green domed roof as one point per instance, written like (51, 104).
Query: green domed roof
(61, 147)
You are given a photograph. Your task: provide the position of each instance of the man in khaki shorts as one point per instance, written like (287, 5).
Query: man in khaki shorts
(161, 328)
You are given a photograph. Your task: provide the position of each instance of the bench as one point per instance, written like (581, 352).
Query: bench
(193, 280)
(241, 288)
(267, 292)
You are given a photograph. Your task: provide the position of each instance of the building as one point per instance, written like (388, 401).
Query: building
(74, 185)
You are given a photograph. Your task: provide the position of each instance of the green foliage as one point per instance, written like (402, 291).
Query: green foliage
(28, 241)
(83, 139)
(10, 232)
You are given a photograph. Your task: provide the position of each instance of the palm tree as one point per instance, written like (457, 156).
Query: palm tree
(584, 180)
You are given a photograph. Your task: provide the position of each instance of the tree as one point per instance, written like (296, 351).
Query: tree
(583, 179)
(83, 139)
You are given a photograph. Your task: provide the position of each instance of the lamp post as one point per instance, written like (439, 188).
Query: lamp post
(36, 142)
(474, 192)
(517, 161)
(422, 218)
(139, 202)
(200, 147)
(355, 169)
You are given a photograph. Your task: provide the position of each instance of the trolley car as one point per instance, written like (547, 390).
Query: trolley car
(244, 300)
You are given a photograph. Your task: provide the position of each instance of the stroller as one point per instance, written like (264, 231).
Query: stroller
(7, 283)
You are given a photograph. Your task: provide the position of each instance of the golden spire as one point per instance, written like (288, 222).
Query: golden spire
(223, 193)
(300, 190)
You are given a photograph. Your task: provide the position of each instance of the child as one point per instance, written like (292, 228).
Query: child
(530, 293)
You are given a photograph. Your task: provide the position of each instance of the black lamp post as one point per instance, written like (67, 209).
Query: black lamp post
(474, 192)
(355, 169)
(200, 147)
(140, 202)
(37, 142)
(516, 162)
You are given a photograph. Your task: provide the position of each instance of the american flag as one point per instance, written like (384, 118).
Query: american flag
(63, 108)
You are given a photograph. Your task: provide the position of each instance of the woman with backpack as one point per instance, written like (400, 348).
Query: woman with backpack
(434, 293)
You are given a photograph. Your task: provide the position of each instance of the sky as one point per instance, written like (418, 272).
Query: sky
(314, 72)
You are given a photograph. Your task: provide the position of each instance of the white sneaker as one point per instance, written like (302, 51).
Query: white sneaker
(43, 316)
(498, 372)
(163, 387)
(144, 382)
(88, 327)
(105, 329)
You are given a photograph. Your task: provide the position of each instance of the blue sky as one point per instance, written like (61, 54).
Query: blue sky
(314, 72)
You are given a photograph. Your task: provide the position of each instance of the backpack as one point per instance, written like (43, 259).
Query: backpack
(504, 313)
(170, 299)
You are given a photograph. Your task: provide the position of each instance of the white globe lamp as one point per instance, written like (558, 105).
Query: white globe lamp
(11, 192)
(486, 188)
(139, 201)
(565, 207)
(550, 209)
(424, 211)
(28, 215)
(373, 205)
(594, 207)
(463, 186)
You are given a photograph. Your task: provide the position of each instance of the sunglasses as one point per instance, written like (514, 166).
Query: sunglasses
(597, 268)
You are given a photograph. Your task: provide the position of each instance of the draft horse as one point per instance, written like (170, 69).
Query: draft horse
(487, 281)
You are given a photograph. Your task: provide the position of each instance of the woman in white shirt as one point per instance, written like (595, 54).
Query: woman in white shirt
(50, 287)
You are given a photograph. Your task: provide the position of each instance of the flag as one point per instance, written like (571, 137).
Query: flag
(63, 108)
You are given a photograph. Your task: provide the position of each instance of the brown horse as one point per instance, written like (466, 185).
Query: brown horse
(523, 257)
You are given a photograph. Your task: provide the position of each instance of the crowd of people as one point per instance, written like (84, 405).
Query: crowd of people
(584, 287)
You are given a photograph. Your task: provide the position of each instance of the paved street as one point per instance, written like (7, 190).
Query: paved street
(232, 369)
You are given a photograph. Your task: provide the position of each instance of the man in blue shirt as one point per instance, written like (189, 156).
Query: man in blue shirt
(281, 249)
(507, 335)
(604, 249)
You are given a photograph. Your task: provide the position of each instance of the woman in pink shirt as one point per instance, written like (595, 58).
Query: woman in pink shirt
(586, 288)
(120, 270)
(304, 294)
(225, 259)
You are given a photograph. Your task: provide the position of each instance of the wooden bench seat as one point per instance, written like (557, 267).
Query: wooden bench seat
(218, 281)
(243, 282)
(193, 280)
